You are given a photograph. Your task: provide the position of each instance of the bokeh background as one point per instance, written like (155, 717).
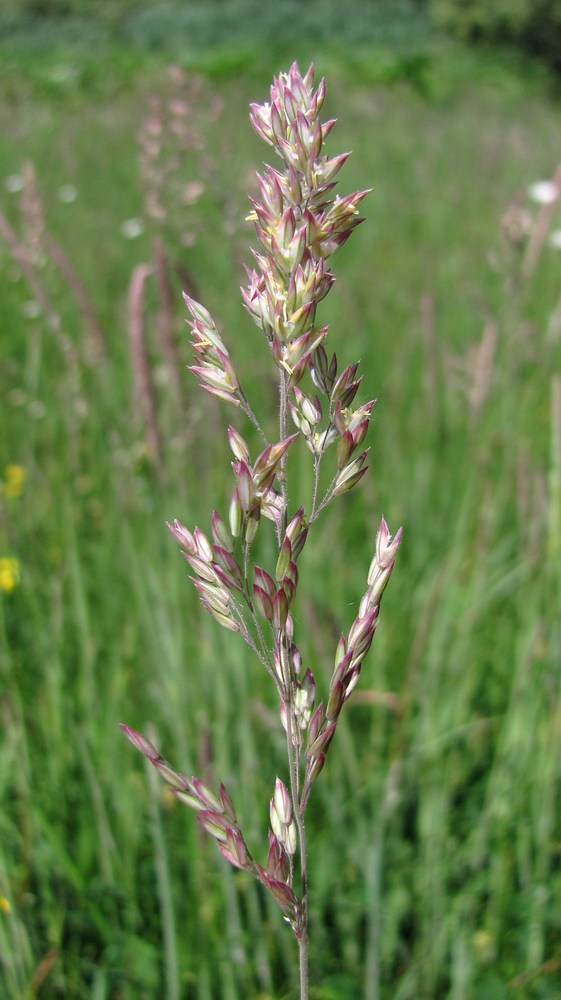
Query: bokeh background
(125, 163)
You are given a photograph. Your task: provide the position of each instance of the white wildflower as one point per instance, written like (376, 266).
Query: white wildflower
(13, 183)
(132, 228)
(67, 193)
(543, 192)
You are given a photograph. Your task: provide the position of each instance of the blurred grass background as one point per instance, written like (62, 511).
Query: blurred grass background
(435, 829)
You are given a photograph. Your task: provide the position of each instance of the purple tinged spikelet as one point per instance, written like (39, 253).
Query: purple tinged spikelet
(263, 603)
(280, 609)
(203, 546)
(229, 582)
(350, 475)
(223, 394)
(280, 449)
(169, 774)
(227, 804)
(321, 743)
(276, 824)
(264, 581)
(383, 562)
(352, 679)
(284, 559)
(316, 767)
(238, 445)
(252, 524)
(140, 742)
(214, 369)
(335, 703)
(316, 723)
(359, 433)
(207, 796)
(198, 312)
(282, 824)
(223, 559)
(362, 628)
(281, 891)
(289, 588)
(309, 687)
(235, 514)
(299, 543)
(213, 824)
(386, 547)
(214, 597)
(291, 575)
(180, 783)
(278, 865)
(183, 536)
(304, 697)
(203, 570)
(245, 485)
(235, 850)
(220, 534)
(281, 798)
(341, 650)
(291, 838)
(186, 799)
(296, 660)
(341, 668)
(295, 525)
(345, 449)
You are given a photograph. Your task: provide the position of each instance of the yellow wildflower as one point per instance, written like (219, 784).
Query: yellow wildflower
(15, 478)
(5, 905)
(9, 574)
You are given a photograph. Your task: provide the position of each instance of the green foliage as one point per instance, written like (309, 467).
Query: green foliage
(532, 25)
(279, 23)
(448, 771)
(182, 28)
(108, 11)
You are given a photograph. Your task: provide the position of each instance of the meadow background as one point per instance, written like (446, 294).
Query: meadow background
(436, 827)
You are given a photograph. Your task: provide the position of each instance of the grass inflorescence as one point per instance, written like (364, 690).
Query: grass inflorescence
(447, 884)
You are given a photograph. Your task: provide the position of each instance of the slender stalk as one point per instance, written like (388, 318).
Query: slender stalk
(317, 461)
(164, 892)
(283, 417)
(303, 962)
(251, 416)
(301, 929)
(293, 753)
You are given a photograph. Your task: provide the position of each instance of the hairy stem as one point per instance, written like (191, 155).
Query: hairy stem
(251, 416)
(317, 462)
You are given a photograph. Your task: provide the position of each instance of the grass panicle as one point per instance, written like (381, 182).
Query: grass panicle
(448, 749)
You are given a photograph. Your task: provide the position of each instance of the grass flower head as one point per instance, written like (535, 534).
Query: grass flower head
(300, 222)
